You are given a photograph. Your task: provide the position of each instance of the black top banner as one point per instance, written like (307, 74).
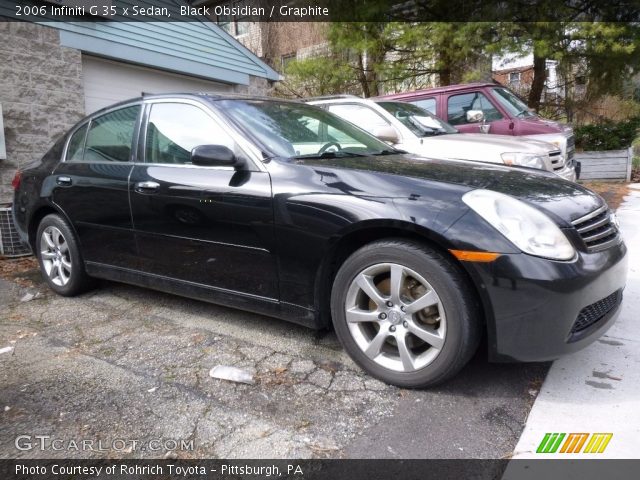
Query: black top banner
(321, 10)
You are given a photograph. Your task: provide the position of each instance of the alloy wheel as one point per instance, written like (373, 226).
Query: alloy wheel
(55, 255)
(395, 317)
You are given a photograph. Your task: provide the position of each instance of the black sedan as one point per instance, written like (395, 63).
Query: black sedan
(284, 209)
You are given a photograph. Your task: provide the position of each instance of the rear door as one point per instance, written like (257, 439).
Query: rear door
(92, 183)
(211, 226)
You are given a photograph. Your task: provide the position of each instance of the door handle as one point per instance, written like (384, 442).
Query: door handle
(146, 187)
(64, 181)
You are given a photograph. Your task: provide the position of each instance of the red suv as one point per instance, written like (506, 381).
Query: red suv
(490, 108)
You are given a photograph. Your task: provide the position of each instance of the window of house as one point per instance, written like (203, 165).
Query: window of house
(242, 21)
(226, 23)
(110, 136)
(514, 79)
(174, 129)
(459, 105)
(234, 25)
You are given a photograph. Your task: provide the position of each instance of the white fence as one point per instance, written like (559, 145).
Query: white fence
(606, 165)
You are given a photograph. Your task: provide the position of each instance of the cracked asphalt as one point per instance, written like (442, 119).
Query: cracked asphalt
(124, 363)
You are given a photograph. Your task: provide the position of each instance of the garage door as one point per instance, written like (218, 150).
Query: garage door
(107, 82)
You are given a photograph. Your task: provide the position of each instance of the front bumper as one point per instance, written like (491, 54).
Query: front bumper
(532, 304)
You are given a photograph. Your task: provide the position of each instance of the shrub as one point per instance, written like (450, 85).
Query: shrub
(607, 135)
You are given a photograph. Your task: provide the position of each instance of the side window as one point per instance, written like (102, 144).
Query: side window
(76, 144)
(363, 117)
(428, 104)
(111, 135)
(174, 129)
(459, 105)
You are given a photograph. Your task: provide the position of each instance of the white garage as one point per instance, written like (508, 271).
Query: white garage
(107, 82)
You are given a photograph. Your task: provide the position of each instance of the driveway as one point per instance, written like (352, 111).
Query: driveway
(123, 363)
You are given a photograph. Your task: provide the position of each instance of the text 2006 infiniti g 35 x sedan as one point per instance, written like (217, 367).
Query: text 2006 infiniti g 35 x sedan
(282, 208)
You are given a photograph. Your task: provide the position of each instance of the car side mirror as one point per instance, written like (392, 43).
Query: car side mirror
(475, 116)
(215, 156)
(387, 134)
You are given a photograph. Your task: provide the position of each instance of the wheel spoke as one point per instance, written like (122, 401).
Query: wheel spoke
(405, 354)
(356, 315)
(47, 255)
(397, 278)
(63, 246)
(64, 278)
(374, 348)
(54, 272)
(365, 282)
(66, 264)
(55, 235)
(428, 299)
(429, 336)
(47, 238)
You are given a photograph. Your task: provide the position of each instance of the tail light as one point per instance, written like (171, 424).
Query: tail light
(15, 183)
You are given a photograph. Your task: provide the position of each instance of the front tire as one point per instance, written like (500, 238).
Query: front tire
(405, 313)
(59, 257)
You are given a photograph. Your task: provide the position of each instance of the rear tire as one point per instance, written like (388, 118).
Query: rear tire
(59, 257)
(405, 313)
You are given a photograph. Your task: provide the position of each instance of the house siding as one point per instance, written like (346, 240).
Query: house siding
(40, 93)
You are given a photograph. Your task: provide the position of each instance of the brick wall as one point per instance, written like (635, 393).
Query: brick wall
(41, 93)
(526, 79)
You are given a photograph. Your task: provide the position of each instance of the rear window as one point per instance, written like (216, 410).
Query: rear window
(76, 144)
(111, 135)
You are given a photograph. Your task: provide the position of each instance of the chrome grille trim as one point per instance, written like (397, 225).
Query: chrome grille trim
(557, 160)
(599, 223)
(589, 216)
(596, 230)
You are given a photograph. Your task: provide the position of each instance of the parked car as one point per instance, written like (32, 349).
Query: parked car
(490, 108)
(282, 208)
(411, 128)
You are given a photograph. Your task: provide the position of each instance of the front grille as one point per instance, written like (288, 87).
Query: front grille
(596, 230)
(571, 149)
(596, 311)
(557, 160)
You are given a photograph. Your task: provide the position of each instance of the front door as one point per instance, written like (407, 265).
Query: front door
(92, 186)
(211, 226)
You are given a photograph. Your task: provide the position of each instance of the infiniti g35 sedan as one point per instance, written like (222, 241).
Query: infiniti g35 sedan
(284, 209)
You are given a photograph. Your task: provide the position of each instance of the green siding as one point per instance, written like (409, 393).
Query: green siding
(200, 49)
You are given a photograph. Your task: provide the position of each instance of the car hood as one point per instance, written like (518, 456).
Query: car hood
(478, 142)
(563, 200)
(538, 125)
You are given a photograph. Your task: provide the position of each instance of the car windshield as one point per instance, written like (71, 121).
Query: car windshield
(289, 129)
(420, 121)
(512, 103)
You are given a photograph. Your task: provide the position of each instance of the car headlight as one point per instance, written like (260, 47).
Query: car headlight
(523, 160)
(526, 227)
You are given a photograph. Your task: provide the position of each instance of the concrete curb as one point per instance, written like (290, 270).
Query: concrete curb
(597, 390)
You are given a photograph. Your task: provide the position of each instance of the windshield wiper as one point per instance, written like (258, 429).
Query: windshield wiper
(339, 154)
(435, 133)
(389, 152)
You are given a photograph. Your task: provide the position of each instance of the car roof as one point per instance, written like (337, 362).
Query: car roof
(448, 88)
(200, 95)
